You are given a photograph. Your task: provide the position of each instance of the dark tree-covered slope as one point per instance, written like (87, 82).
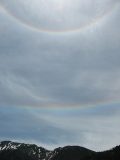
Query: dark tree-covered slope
(20, 151)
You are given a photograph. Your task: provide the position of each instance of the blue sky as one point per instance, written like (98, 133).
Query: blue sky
(92, 127)
(58, 87)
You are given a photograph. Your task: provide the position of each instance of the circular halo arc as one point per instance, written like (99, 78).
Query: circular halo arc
(77, 29)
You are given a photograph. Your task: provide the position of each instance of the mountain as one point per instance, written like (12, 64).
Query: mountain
(20, 151)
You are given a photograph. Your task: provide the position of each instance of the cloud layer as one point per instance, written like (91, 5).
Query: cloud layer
(61, 15)
(93, 128)
(39, 69)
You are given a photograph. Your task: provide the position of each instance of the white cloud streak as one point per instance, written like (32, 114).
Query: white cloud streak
(40, 68)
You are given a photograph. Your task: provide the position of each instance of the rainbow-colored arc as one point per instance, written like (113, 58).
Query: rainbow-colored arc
(77, 29)
(93, 22)
(104, 102)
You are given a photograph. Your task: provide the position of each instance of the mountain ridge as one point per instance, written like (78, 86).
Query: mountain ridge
(20, 151)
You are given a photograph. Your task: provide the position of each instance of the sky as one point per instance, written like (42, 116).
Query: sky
(60, 72)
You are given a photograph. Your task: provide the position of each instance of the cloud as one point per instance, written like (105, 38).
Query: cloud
(20, 124)
(41, 69)
(67, 75)
(53, 16)
(59, 127)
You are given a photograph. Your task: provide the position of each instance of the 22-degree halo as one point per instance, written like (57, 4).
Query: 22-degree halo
(58, 15)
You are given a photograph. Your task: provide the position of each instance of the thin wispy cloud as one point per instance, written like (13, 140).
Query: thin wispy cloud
(47, 70)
